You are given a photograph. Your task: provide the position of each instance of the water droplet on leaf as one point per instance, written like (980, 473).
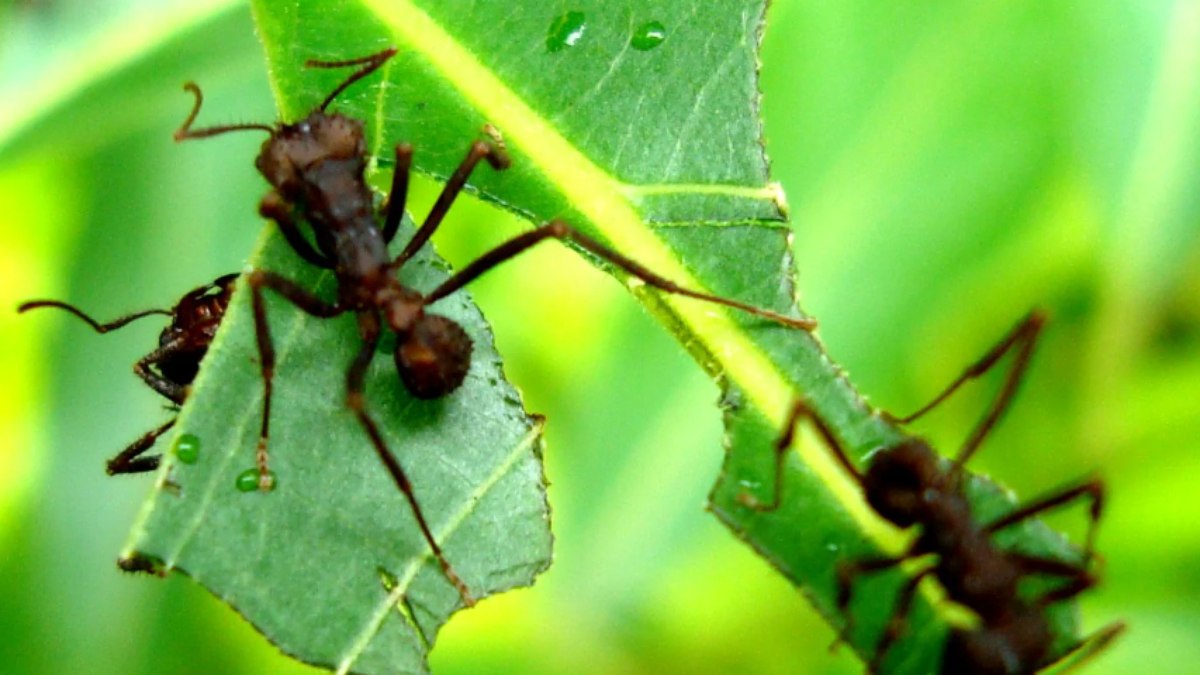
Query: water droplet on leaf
(565, 31)
(648, 36)
(187, 448)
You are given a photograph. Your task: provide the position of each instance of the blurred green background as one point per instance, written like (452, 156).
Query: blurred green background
(949, 165)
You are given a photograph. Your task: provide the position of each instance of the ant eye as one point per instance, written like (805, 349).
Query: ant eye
(435, 357)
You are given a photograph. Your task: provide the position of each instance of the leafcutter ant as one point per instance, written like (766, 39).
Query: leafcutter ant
(315, 167)
(169, 369)
(910, 485)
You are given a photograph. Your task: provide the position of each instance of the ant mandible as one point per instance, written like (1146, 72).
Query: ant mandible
(315, 167)
(909, 485)
(171, 368)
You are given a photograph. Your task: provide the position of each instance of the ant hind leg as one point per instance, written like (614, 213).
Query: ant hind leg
(556, 229)
(355, 384)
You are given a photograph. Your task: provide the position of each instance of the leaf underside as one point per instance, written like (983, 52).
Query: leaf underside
(657, 152)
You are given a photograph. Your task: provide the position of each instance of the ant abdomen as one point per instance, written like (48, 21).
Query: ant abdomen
(434, 358)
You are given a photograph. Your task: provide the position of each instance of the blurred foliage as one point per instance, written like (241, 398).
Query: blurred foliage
(948, 165)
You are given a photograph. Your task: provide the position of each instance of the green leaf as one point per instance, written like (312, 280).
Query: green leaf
(330, 565)
(658, 152)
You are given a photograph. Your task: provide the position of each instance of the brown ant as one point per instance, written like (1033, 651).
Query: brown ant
(171, 368)
(315, 167)
(909, 484)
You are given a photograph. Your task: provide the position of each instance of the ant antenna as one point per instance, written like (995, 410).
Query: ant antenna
(99, 327)
(369, 65)
(185, 130)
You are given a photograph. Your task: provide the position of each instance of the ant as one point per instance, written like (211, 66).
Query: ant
(315, 167)
(171, 368)
(909, 485)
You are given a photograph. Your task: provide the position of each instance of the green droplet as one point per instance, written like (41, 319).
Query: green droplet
(247, 481)
(648, 36)
(187, 448)
(565, 31)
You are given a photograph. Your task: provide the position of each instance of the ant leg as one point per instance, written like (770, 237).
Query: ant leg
(1023, 337)
(369, 63)
(1087, 648)
(369, 329)
(97, 326)
(847, 572)
(174, 391)
(398, 195)
(1081, 583)
(479, 150)
(1025, 331)
(800, 410)
(273, 207)
(129, 459)
(1093, 489)
(899, 619)
(557, 229)
(306, 302)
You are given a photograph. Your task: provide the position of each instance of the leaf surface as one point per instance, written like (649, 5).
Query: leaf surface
(330, 565)
(656, 151)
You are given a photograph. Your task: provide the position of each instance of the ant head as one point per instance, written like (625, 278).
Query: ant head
(296, 149)
(898, 478)
(433, 357)
(198, 314)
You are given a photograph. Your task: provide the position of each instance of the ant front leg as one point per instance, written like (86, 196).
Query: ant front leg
(170, 389)
(800, 410)
(130, 460)
(480, 150)
(274, 208)
(556, 229)
(368, 324)
(306, 302)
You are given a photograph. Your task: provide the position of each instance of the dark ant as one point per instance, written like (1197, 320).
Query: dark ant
(315, 167)
(909, 485)
(169, 369)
